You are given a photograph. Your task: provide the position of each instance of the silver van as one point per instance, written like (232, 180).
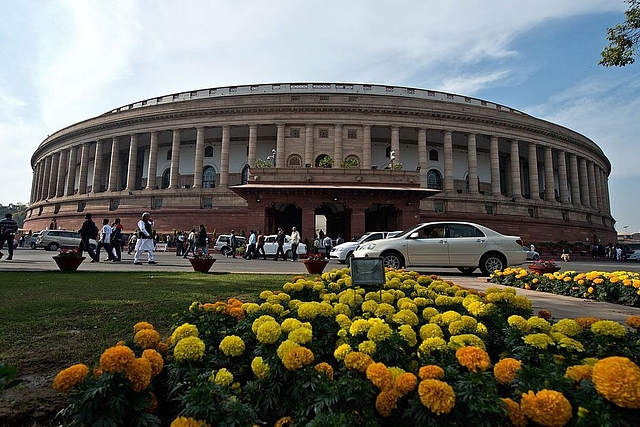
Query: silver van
(52, 240)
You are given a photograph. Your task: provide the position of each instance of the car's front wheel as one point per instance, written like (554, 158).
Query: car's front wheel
(53, 246)
(226, 250)
(536, 257)
(348, 259)
(392, 260)
(491, 262)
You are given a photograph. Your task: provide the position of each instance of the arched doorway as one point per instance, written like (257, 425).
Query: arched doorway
(283, 215)
(337, 220)
(381, 218)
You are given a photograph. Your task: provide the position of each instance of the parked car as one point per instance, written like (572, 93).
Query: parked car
(463, 245)
(31, 240)
(531, 255)
(344, 251)
(633, 255)
(223, 243)
(271, 247)
(52, 240)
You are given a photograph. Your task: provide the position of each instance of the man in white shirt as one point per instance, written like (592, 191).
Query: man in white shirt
(145, 239)
(105, 240)
(295, 241)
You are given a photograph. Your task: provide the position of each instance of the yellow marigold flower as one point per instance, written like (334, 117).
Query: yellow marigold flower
(190, 348)
(115, 359)
(357, 360)
(290, 324)
(260, 321)
(431, 372)
(183, 331)
(308, 310)
(285, 347)
(432, 344)
(140, 326)
(579, 372)
(223, 377)
(540, 341)
(518, 322)
(564, 341)
(233, 345)
(464, 340)
(139, 373)
(379, 330)
(70, 377)
(633, 322)
(609, 328)
(405, 382)
(568, 327)
(429, 312)
(481, 329)
(259, 368)
(367, 347)
(380, 376)
(359, 326)
(408, 334)
(342, 309)
(301, 335)
(147, 338)
(269, 332)
(431, 330)
(548, 408)
(618, 380)
(283, 422)
(386, 402)
(343, 321)
(473, 358)
(325, 368)
(406, 317)
(297, 358)
(437, 396)
(506, 370)
(385, 310)
(342, 350)
(514, 413)
(538, 324)
(450, 316)
(188, 422)
(155, 359)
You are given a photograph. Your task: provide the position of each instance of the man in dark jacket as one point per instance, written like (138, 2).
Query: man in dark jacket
(280, 242)
(8, 229)
(88, 231)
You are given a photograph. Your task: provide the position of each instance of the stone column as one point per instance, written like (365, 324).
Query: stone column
(494, 155)
(605, 189)
(448, 161)
(152, 170)
(422, 156)
(73, 165)
(114, 164)
(224, 157)
(337, 145)
(516, 187)
(308, 145)
(395, 143)
(472, 157)
(174, 174)
(34, 184)
(53, 177)
(279, 160)
(549, 185)
(253, 145)
(563, 180)
(84, 169)
(133, 162)
(584, 181)
(62, 169)
(534, 183)
(366, 147)
(575, 182)
(40, 189)
(599, 194)
(199, 157)
(97, 168)
(593, 194)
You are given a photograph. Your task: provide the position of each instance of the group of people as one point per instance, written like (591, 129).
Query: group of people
(193, 242)
(322, 244)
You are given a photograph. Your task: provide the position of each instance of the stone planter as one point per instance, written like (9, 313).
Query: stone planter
(315, 266)
(201, 265)
(543, 270)
(66, 263)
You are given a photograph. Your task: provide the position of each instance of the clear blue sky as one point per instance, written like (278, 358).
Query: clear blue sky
(67, 61)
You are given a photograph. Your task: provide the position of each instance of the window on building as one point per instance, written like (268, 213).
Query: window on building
(157, 203)
(166, 176)
(294, 161)
(434, 179)
(533, 212)
(208, 177)
(438, 206)
(208, 151)
(490, 208)
(433, 155)
(294, 133)
(81, 206)
(565, 216)
(323, 133)
(207, 202)
(168, 154)
(352, 134)
(114, 204)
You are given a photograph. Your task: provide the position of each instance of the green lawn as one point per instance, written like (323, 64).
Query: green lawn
(50, 320)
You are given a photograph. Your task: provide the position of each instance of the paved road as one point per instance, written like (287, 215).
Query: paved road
(41, 260)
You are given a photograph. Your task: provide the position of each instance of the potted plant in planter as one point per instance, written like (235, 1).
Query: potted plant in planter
(69, 259)
(541, 267)
(315, 263)
(349, 163)
(201, 262)
(326, 162)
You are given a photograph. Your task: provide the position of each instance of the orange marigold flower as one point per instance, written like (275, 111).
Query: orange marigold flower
(548, 408)
(189, 422)
(140, 326)
(298, 357)
(633, 322)
(514, 413)
(155, 359)
(386, 402)
(115, 359)
(70, 377)
(431, 372)
(618, 380)
(325, 368)
(506, 370)
(586, 322)
(357, 360)
(139, 373)
(545, 314)
(147, 338)
(437, 396)
(283, 422)
(162, 348)
(380, 376)
(404, 383)
(473, 358)
(579, 372)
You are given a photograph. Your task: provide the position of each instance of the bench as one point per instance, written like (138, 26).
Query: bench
(161, 247)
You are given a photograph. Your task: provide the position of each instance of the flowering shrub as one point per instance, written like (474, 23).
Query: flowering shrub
(420, 351)
(618, 287)
(199, 254)
(544, 264)
(70, 253)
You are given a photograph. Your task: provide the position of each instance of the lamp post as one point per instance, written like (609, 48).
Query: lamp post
(272, 157)
(392, 157)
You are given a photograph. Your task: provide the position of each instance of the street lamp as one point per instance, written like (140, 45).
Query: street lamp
(392, 157)
(272, 157)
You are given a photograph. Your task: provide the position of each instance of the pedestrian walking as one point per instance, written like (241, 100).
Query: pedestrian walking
(8, 229)
(145, 241)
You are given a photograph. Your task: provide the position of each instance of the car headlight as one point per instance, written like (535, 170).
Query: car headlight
(367, 247)
(337, 249)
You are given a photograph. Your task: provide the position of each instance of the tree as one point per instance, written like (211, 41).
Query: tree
(623, 39)
(18, 210)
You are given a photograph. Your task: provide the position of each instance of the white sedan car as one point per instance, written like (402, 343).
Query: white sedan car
(462, 245)
(271, 247)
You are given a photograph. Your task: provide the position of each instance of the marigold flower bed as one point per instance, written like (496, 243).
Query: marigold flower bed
(618, 287)
(419, 351)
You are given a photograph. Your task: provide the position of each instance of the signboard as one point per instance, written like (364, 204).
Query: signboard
(367, 272)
